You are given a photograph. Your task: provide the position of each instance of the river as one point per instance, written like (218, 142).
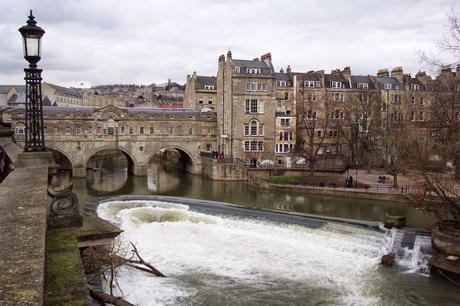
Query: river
(226, 260)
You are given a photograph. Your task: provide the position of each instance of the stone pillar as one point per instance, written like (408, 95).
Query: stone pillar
(139, 170)
(78, 171)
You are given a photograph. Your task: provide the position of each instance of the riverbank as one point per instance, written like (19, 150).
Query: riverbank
(339, 192)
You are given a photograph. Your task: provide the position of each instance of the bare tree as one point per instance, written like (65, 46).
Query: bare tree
(99, 260)
(442, 139)
(361, 126)
(449, 44)
(312, 124)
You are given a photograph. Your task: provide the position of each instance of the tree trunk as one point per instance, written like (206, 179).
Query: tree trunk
(107, 298)
(395, 180)
(457, 168)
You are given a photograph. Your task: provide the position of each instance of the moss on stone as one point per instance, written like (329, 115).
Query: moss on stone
(65, 282)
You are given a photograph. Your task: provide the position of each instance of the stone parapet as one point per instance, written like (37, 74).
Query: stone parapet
(23, 205)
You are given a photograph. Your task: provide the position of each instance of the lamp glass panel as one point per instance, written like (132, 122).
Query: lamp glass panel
(32, 46)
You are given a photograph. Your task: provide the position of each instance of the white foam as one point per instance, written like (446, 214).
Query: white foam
(180, 242)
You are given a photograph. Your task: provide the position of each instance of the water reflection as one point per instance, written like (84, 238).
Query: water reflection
(165, 181)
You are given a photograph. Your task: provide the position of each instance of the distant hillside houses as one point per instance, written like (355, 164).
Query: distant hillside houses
(165, 95)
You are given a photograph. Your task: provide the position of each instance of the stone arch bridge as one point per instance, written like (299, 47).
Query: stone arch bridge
(79, 133)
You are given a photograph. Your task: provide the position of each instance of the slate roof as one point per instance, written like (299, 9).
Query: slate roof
(4, 89)
(205, 80)
(395, 84)
(355, 79)
(17, 99)
(337, 77)
(133, 110)
(70, 91)
(308, 76)
(258, 64)
(250, 63)
(279, 76)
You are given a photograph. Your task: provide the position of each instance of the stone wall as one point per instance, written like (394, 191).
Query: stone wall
(218, 171)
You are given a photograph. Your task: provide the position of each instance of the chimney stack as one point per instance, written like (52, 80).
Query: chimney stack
(397, 72)
(383, 72)
(288, 69)
(229, 55)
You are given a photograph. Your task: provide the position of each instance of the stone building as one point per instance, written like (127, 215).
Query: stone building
(79, 133)
(63, 96)
(285, 117)
(200, 92)
(246, 108)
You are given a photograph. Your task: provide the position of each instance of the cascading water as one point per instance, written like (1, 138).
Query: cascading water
(223, 260)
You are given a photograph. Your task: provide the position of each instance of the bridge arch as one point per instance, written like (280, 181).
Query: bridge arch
(186, 158)
(61, 154)
(129, 157)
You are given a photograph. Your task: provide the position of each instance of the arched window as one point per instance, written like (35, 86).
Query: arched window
(110, 126)
(20, 129)
(253, 127)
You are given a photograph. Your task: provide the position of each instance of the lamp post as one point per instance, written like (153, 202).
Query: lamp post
(31, 38)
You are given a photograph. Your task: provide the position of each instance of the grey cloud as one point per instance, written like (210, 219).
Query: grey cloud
(102, 41)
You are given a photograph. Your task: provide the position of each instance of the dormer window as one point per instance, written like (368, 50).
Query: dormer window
(387, 86)
(363, 85)
(209, 87)
(281, 83)
(253, 70)
(316, 84)
(415, 87)
(336, 84)
(237, 69)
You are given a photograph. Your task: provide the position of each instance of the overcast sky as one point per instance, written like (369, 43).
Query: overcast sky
(144, 41)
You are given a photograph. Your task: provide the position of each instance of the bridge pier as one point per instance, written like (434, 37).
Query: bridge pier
(139, 170)
(78, 171)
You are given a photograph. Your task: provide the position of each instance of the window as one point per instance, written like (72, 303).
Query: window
(122, 130)
(200, 101)
(422, 116)
(253, 129)
(312, 96)
(255, 106)
(363, 85)
(260, 146)
(412, 116)
(20, 129)
(209, 100)
(285, 122)
(316, 84)
(246, 130)
(253, 70)
(336, 84)
(152, 130)
(171, 130)
(141, 130)
(78, 130)
(256, 87)
(412, 99)
(237, 69)
(311, 114)
(415, 87)
(279, 103)
(67, 129)
(208, 86)
(281, 83)
(190, 131)
(131, 131)
(338, 96)
(254, 146)
(318, 133)
(421, 101)
(387, 86)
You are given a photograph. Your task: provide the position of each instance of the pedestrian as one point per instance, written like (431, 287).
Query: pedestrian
(351, 181)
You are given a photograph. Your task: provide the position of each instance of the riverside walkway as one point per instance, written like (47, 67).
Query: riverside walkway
(23, 204)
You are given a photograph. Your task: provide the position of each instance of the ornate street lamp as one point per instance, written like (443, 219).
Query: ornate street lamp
(31, 38)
